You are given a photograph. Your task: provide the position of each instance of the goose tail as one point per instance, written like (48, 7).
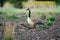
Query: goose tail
(39, 23)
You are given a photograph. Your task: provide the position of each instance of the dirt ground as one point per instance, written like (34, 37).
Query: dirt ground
(23, 33)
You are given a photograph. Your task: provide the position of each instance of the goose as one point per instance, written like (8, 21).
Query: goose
(31, 22)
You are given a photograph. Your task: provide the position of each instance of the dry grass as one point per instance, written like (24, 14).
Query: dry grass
(39, 3)
(9, 29)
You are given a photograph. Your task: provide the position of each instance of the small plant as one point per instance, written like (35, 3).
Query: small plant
(5, 17)
(8, 38)
(10, 17)
(43, 27)
(13, 17)
(49, 23)
(52, 19)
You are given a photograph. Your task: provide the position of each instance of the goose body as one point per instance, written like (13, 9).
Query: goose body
(30, 21)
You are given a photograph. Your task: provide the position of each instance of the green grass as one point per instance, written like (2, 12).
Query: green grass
(49, 23)
(52, 19)
(11, 17)
(46, 25)
(43, 27)
(8, 38)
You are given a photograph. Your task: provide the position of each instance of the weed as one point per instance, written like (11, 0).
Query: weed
(43, 27)
(13, 17)
(52, 19)
(49, 23)
(8, 38)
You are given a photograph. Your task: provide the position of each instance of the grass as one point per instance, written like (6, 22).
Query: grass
(49, 23)
(8, 31)
(46, 25)
(8, 38)
(13, 17)
(10, 17)
(52, 19)
(43, 27)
